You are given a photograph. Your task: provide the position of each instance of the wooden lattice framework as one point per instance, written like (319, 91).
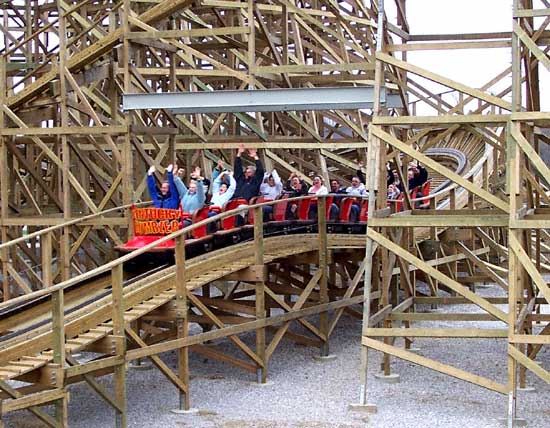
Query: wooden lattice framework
(67, 150)
(505, 214)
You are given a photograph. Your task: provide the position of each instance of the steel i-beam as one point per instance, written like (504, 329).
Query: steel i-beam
(260, 100)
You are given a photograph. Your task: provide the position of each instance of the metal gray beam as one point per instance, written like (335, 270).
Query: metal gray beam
(262, 100)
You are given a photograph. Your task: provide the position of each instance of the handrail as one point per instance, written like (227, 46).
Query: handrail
(69, 223)
(127, 257)
(137, 252)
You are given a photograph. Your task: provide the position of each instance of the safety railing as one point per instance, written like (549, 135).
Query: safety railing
(44, 238)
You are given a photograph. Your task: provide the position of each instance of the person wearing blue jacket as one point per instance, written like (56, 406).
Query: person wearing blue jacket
(191, 198)
(167, 196)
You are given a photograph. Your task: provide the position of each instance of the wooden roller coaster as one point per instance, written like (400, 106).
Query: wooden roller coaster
(73, 162)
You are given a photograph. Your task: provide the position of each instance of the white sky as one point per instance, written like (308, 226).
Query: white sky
(473, 67)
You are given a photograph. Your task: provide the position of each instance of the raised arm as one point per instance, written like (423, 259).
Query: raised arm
(218, 180)
(215, 174)
(238, 168)
(182, 189)
(200, 192)
(171, 183)
(232, 185)
(152, 187)
(259, 171)
(278, 181)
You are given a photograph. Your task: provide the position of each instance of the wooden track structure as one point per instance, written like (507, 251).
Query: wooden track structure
(72, 162)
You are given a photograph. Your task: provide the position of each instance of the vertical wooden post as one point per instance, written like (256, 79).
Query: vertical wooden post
(58, 324)
(65, 253)
(323, 267)
(284, 35)
(374, 156)
(46, 252)
(251, 54)
(4, 186)
(58, 321)
(260, 290)
(182, 321)
(126, 167)
(513, 187)
(118, 330)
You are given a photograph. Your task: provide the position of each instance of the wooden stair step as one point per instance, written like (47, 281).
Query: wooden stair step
(24, 363)
(77, 341)
(12, 369)
(39, 358)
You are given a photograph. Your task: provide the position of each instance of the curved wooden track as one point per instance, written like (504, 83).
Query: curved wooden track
(90, 322)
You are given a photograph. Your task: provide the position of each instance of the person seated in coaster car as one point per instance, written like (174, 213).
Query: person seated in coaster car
(167, 196)
(193, 197)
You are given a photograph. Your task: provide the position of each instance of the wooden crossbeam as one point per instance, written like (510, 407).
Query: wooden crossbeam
(435, 365)
(476, 93)
(207, 312)
(14, 394)
(528, 363)
(531, 45)
(529, 266)
(165, 370)
(425, 267)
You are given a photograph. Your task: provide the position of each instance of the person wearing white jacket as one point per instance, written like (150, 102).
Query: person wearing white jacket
(272, 186)
(221, 193)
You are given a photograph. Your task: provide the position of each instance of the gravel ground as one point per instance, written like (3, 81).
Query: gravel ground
(305, 393)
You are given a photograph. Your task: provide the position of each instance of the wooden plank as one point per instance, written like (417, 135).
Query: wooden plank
(528, 265)
(533, 156)
(496, 220)
(435, 365)
(530, 339)
(489, 44)
(238, 329)
(409, 316)
(196, 32)
(60, 130)
(312, 68)
(470, 333)
(454, 285)
(37, 399)
(90, 367)
(531, 13)
(528, 363)
(476, 93)
(532, 46)
(498, 120)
